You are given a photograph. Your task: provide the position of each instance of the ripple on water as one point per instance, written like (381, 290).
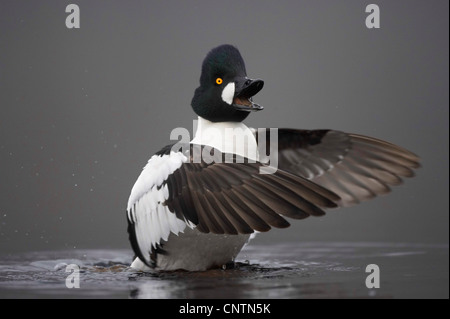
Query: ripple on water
(308, 270)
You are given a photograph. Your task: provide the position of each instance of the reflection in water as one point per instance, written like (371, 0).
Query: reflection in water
(307, 270)
(245, 281)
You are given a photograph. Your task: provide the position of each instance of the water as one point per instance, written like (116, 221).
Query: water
(291, 270)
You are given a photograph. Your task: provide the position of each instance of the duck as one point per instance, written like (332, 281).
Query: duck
(196, 204)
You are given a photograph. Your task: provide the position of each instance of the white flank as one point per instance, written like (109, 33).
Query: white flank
(153, 220)
(155, 173)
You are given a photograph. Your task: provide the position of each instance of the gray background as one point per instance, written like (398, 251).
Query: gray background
(81, 111)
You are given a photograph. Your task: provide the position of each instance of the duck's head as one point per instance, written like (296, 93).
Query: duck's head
(225, 92)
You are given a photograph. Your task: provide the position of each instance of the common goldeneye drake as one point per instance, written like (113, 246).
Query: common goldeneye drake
(195, 205)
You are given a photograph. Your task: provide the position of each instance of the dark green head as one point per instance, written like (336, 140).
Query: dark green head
(225, 92)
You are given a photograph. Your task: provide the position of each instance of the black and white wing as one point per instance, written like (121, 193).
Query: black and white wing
(355, 167)
(149, 218)
(174, 192)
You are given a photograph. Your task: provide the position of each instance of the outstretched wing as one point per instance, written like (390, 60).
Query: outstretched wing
(226, 196)
(355, 167)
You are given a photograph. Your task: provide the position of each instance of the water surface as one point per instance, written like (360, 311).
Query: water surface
(290, 270)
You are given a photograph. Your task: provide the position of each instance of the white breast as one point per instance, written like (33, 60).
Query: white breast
(227, 137)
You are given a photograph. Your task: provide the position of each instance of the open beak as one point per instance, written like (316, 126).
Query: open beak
(245, 90)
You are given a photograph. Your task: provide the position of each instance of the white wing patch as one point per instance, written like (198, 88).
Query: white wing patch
(155, 173)
(153, 220)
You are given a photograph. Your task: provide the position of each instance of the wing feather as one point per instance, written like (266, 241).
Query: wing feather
(355, 167)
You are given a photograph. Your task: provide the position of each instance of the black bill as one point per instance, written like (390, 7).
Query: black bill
(245, 90)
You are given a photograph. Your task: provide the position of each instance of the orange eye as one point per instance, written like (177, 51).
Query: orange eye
(219, 81)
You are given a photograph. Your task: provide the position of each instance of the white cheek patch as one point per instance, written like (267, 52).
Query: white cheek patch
(228, 93)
